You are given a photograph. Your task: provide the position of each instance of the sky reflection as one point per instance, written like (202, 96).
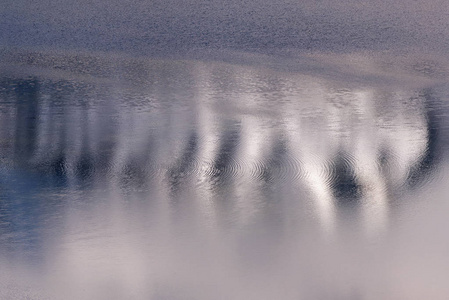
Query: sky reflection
(197, 180)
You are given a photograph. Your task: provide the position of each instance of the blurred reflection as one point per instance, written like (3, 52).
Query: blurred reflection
(231, 167)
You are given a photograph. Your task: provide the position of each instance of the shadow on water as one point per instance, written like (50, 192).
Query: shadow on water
(224, 164)
(184, 165)
(344, 183)
(429, 161)
(275, 164)
(27, 95)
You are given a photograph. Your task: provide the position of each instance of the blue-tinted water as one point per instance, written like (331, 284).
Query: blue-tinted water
(224, 150)
(181, 179)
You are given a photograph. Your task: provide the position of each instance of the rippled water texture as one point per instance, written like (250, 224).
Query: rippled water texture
(319, 177)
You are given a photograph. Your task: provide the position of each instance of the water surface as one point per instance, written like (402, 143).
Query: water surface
(309, 177)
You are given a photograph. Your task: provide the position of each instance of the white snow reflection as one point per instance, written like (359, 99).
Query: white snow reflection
(204, 180)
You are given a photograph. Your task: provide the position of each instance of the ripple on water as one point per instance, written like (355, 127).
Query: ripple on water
(388, 164)
(422, 173)
(342, 177)
(219, 172)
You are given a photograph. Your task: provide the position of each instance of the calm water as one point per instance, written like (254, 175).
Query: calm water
(314, 177)
(223, 149)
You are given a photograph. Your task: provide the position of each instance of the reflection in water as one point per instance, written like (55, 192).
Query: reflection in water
(429, 159)
(184, 179)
